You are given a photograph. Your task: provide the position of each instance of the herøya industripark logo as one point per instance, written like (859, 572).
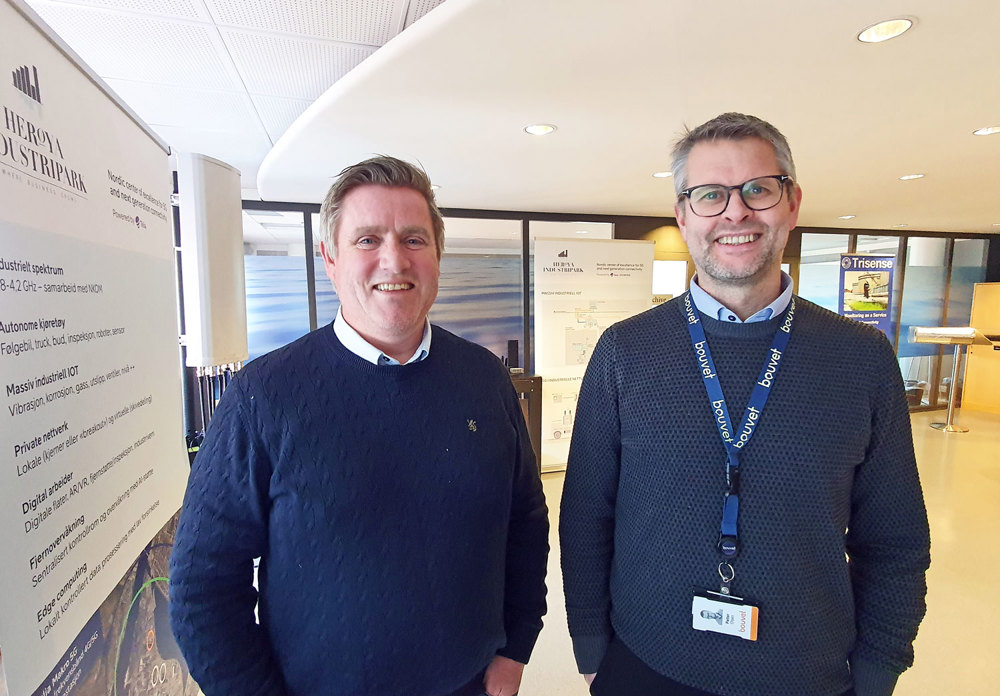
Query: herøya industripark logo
(28, 147)
(22, 81)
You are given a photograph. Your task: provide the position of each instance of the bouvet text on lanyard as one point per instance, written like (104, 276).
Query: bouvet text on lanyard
(711, 617)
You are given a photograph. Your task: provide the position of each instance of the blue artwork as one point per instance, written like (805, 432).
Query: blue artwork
(923, 304)
(277, 301)
(479, 298)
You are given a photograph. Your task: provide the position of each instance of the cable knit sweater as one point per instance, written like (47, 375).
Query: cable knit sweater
(398, 515)
(830, 471)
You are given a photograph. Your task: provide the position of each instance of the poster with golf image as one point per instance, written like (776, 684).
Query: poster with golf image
(866, 288)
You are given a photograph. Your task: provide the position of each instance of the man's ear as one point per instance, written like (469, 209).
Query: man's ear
(329, 262)
(680, 212)
(794, 205)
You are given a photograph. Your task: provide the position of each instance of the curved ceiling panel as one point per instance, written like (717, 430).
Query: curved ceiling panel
(621, 80)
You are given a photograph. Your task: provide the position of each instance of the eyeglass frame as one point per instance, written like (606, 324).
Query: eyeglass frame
(782, 180)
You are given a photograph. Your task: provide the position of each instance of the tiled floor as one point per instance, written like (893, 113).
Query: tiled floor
(954, 650)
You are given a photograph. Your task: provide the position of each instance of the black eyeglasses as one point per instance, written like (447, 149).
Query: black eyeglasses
(709, 200)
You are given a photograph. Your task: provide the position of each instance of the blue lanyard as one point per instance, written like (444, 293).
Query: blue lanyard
(728, 534)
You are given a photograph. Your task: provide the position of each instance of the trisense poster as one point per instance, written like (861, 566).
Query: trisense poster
(866, 288)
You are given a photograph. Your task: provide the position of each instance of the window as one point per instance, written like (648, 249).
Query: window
(922, 305)
(479, 293)
(819, 268)
(277, 291)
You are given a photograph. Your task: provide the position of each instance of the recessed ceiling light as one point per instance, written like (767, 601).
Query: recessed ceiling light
(911, 177)
(539, 129)
(847, 217)
(989, 130)
(662, 175)
(581, 231)
(883, 31)
(902, 225)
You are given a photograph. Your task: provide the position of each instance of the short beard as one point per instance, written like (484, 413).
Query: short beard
(742, 276)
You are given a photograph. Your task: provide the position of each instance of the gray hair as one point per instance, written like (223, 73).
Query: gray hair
(379, 171)
(729, 126)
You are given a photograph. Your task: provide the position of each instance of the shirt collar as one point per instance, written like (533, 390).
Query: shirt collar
(353, 341)
(709, 306)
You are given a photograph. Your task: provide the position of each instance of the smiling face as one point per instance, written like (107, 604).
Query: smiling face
(386, 266)
(740, 247)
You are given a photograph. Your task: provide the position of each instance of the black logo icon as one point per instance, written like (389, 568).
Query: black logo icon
(22, 80)
(564, 253)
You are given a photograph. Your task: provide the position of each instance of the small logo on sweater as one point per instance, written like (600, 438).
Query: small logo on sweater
(472, 425)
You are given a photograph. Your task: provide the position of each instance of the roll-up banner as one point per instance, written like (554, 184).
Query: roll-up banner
(92, 464)
(582, 286)
(866, 288)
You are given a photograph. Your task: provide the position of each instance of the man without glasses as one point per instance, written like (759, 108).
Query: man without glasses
(742, 513)
(381, 470)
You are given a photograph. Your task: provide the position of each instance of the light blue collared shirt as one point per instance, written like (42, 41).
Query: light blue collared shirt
(353, 341)
(709, 306)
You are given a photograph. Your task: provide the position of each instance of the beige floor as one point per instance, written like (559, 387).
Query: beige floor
(954, 650)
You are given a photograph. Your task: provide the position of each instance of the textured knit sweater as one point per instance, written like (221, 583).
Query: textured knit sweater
(397, 513)
(829, 471)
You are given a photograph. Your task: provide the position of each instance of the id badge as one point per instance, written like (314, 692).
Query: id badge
(717, 613)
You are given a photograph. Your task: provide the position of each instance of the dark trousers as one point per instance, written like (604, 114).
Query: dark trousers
(623, 674)
(473, 688)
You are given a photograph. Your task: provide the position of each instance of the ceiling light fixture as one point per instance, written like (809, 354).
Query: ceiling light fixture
(539, 129)
(883, 31)
(989, 130)
(847, 217)
(662, 175)
(902, 225)
(581, 231)
(911, 177)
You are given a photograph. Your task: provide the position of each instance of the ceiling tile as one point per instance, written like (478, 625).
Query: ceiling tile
(418, 8)
(180, 9)
(168, 105)
(146, 49)
(278, 113)
(357, 21)
(241, 150)
(288, 67)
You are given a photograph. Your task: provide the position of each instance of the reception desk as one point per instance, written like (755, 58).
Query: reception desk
(981, 390)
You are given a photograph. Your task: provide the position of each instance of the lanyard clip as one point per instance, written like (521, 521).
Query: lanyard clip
(733, 475)
(727, 574)
(729, 546)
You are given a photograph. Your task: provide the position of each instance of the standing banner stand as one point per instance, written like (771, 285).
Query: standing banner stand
(92, 464)
(866, 289)
(582, 286)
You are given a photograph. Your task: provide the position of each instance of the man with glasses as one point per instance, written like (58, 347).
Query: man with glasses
(742, 513)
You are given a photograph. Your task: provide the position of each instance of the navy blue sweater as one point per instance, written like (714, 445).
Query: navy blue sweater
(830, 471)
(398, 515)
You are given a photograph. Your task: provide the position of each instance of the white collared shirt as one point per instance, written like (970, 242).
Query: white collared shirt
(709, 306)
(353, 341)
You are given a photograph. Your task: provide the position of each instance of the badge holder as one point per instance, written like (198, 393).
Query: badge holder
(722, 612)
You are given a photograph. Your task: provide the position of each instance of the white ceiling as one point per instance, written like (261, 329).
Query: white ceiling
(229, 77)
(225, 78)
